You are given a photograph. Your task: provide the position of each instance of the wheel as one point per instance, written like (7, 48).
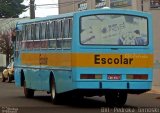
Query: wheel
(53, 91)
(3, 79)
(54, 96)
(29, 93)
(116, 98)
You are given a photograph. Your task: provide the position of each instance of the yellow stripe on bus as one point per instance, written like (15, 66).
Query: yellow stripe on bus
(88, 60)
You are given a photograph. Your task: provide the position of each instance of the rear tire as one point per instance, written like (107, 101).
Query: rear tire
(54, 96)
(116, 98)
(29, 93)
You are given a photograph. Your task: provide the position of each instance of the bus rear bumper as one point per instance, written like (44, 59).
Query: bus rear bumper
(130, 85)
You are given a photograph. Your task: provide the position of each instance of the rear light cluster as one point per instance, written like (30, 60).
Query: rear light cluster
(115, 76)
(90, 76)
(137, 76)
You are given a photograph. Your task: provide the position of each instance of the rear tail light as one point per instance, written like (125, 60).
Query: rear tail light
(137, 76)
(114, 77)
(90, 76)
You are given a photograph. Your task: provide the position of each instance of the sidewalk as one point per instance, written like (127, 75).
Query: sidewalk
(155, 89)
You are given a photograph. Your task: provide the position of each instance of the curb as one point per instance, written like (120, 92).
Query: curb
(155, 91)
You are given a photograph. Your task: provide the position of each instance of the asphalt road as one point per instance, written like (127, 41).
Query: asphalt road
(12, 100)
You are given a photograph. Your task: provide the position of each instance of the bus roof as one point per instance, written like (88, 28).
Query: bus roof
(46, 18)
(114, 10)
(80, 12)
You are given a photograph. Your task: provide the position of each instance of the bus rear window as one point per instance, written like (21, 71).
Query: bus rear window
(117, 30)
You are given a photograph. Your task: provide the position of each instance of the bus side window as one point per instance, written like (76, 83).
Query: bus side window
(47, 31)
(44, 42)
(37, 27)
(42, 32)
(29, 32)
(29, 39)
(37, 36)
(60, 29)
(20, 38)
(23, 33)
(33, 32)
(26, 32)
(26, 36)
(66, 28)
(23, 37)
(17, 40)
(70, 28)
(56, 29)
(59, 38)
(52, 35)
(66, 39)
(51, 30)
(17, 43)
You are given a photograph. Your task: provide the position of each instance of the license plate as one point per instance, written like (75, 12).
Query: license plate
(114, 77)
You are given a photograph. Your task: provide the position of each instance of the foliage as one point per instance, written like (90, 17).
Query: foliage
(6, 46)
(11, 8)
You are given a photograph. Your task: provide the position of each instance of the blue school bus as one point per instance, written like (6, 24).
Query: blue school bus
(102, 52)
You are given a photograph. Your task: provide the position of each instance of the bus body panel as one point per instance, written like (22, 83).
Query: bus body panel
(67, 77)
(102, 49)
(17, 77)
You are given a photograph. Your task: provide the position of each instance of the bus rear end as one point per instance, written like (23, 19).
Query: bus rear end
(112, 54)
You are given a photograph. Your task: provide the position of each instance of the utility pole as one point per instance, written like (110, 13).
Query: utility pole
(142, 5)
(109, 4)
(73, 5)
(32, 9)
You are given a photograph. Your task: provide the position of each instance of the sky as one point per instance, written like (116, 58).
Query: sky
(42, 11)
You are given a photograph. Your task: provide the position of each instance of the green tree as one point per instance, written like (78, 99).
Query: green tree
(6, 46)
(11, 8)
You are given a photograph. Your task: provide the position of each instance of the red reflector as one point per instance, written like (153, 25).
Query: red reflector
(90, 76)
(87, 76)
(138, 76)
(114, 77)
